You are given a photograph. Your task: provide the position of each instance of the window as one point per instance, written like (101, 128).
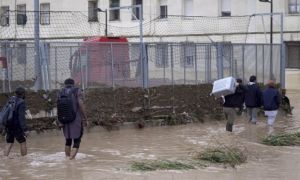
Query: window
(188, 7)
(163, 7)
(162, 56)
(188, 55)
(4, 16)
(92, 11)
(114, 15)
(136, 12)
(21, 54)
(45, 14)
(294, 6)
(225, 7)
(21, 14)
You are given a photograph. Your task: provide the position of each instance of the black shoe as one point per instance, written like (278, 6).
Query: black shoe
(229, 127)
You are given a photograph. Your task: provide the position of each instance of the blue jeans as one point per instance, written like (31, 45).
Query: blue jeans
(252, 112)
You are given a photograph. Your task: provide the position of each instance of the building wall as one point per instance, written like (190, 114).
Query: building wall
(176, 7)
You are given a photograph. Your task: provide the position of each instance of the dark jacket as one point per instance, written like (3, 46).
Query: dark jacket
(19, 121)
(271, 99)
(235, 100)
(253, 96)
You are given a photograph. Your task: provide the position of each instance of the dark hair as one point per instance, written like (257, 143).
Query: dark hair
(239, 80)
(20, 92)
(252, 78)
(69, 82)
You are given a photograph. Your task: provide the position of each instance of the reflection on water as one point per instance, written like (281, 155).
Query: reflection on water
(107, 155)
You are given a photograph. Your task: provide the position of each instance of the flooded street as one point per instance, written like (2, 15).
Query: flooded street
(107, 155)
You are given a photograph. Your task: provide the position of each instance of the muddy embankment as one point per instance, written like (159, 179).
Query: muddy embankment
(164, 105)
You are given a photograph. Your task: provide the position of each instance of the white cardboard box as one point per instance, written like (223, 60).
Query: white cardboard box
(223, 87)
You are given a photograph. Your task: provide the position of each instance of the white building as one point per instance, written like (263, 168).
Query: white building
(165, 28)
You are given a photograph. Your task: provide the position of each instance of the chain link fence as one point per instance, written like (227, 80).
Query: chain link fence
(119, 64)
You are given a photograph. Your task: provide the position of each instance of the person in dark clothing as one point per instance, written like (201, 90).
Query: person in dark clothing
(17, 128)
(271, 102)
(253, 99)
(233, 103)
(285, 103)
(74, 130)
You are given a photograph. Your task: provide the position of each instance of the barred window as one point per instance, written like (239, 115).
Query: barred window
(136, 12)
(294, 6)
(21, 14)
(45, 14)
(4, 16)
(163, 7)
(162, 56)
(114, 15)
(188, 55)
(21, 54)
(92, 16)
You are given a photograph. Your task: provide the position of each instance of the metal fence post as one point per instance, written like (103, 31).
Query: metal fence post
(81, 73)
(164, 59)
(282, 54)
(263, 67)
(87, 66)
(55, 68)
(219, 61)
(172, 65)
(184, 64)
(38, 82)
(256, 60)
(10, 77)
(196, 64)
(209, 64)
(243, 62)
(112, 65)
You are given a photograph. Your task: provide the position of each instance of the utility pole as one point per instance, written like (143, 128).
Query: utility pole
(271, 38)
(37, 64)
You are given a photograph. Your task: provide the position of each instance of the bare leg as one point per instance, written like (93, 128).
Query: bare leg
(7, 149)
(73, 153)
(23, 149)
(68, 151)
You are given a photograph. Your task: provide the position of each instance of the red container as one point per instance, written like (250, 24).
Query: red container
(93, 61)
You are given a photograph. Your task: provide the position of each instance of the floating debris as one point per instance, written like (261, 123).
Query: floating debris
(287, 139)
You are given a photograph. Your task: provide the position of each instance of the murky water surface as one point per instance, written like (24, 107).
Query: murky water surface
(107, 155)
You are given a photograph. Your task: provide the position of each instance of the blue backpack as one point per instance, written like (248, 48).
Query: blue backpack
(6, 114)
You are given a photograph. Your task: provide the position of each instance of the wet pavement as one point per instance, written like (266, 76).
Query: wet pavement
(107, 155)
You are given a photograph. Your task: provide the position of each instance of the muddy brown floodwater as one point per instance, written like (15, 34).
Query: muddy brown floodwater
(107, 155)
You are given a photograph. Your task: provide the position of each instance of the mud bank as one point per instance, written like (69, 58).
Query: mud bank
(109, 107)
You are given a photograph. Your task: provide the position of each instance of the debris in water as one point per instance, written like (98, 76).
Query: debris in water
(287, 139)
(223, 155)
(160, 165)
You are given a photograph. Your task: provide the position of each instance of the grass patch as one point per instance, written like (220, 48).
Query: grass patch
(160, 165)
(288, 139)
(226, 156)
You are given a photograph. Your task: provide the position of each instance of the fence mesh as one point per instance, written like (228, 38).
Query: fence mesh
(77, 25)
(118, 64)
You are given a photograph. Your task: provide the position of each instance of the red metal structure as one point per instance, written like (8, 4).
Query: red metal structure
(100, 61)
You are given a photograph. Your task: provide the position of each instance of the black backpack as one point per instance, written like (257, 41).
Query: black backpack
(65, 105)
(6, 115)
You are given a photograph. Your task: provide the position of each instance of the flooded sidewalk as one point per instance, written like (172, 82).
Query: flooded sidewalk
(108, 155)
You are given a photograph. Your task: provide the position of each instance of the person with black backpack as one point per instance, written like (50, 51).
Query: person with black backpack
(71, 115)
(15, 125)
